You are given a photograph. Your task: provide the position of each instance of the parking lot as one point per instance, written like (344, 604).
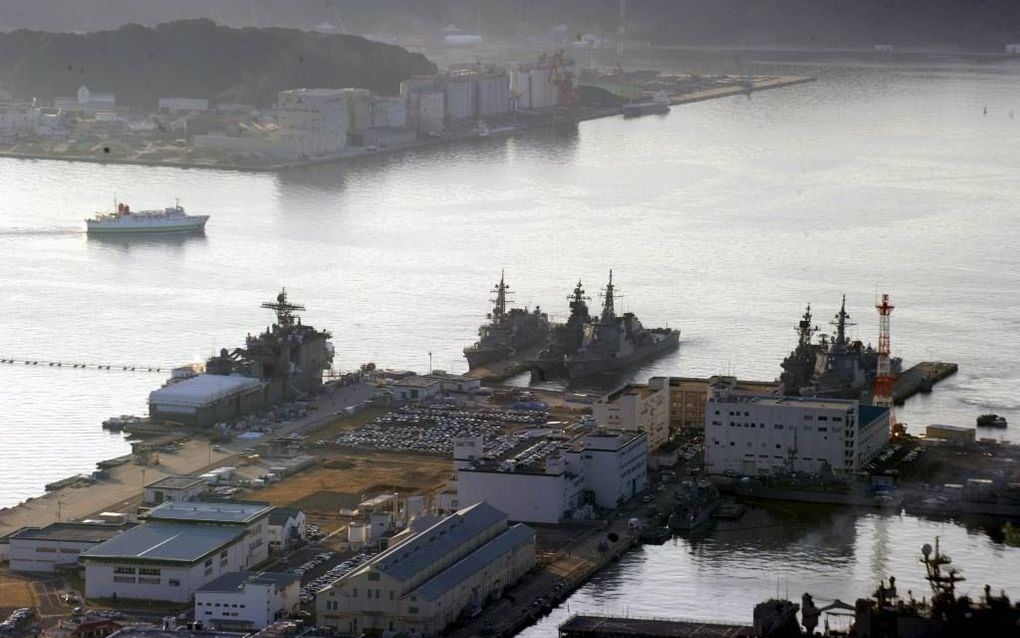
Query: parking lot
(432, 429)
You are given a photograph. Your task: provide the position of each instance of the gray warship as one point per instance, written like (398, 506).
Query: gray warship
(834, 366)
(696, 503)
(613, 342)
(565, 339)
(507, 332)
(288, 357)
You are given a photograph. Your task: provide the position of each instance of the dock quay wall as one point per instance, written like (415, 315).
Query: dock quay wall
(921, 378)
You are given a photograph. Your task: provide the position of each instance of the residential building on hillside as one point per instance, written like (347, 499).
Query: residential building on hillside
(636, 407)
(447, 571)
(248, 600)
(751, 434)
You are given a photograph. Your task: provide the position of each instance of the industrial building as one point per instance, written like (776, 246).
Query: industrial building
(175, 105)
(689, 395)
(173, 488)
(86, 102)
(46, 549)
(247, 600)
(388, 112)
(286, 527)
(179, 548)
(550, 82)
(752, 434)
(636, 407)
(207, 399)
(554, 479)
(468, 92)
(315, 122)
(416, 389)
(422, 585)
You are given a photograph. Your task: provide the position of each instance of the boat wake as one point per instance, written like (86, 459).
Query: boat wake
(41, 232)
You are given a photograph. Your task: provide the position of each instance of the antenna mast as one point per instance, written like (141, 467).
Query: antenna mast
(884, 378)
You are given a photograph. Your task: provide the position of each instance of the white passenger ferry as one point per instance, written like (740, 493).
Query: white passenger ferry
(169, 220)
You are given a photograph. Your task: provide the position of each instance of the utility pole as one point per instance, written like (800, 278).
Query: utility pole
(621, 33)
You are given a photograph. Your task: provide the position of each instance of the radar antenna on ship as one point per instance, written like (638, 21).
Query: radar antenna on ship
(841, 322)
(609, 300)
(284, 310)
(943, 582)
(501, 290)
(805, 329)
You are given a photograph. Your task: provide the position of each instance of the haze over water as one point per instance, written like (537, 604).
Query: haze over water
(723, 219)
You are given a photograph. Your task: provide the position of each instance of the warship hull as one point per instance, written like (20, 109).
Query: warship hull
(583, 367)
(545, 369)
(477, 357)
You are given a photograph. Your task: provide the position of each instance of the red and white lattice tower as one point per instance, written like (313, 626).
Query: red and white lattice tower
(884, 378)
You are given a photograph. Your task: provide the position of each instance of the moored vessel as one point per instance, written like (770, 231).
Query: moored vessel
(659, 104)
(991, 421)
(171, 219)
(565, 339)
(613, 342)
(507, 331)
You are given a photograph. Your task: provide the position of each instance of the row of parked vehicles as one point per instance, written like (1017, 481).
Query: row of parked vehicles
(16, 620)
(339, 570)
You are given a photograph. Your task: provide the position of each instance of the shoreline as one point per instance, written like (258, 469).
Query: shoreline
(536, 122)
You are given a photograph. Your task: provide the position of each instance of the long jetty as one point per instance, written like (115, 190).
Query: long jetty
(921, 378)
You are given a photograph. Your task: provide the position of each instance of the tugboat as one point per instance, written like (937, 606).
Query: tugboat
(991, 421)
(613, 342)
(695, 506)
(507, 331)
(565, 340)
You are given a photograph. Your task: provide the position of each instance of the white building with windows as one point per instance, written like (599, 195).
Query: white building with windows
(286, 527)
(446, 571)
(315, 122)
(180, 547)
(753, 434)
(173, 488)
(248, 600)
(45, 549)
(552, 480)
(636, 407)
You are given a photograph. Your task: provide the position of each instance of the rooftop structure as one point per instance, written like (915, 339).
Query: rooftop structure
(227, 512)
(163, 542)
(74, 532)
(176, 482)
(239, 580)
(202, 390)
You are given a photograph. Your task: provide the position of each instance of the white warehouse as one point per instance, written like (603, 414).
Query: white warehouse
(555, 479)
(248, 600)
(753, 435)
(46, 549)
(314, 121)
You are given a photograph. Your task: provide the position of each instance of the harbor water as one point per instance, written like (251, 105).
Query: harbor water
(722, 218)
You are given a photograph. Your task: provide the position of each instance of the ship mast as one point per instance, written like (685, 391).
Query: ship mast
(608, 307)
(284, 310)
(804, 328)
(943, 583)
(578, 307)
(501, 289)
(841, 321)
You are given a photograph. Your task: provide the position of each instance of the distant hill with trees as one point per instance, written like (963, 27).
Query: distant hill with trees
(198, 58)
(974, 24)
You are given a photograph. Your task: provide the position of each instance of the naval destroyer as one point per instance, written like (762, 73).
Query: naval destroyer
(565, 339)
(612, 342)
(834, 366)
(507, 331)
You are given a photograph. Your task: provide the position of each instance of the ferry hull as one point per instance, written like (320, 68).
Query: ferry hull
(196, 224)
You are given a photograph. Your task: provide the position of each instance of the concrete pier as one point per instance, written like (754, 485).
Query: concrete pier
(921, 378)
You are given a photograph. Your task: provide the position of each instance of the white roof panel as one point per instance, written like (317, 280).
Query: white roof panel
(202, 390)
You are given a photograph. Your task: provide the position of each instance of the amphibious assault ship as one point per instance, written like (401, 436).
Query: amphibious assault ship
(507, 332)
(283, 363)
(613, 342)
(835, 366)
(289, 356)
(565, 339)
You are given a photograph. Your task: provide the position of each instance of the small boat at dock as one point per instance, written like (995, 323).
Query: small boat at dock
(991, 421)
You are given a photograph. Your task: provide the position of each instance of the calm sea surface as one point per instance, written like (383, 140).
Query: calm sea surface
(723, 219)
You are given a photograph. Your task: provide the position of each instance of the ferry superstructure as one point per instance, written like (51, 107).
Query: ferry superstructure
(171, 219)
